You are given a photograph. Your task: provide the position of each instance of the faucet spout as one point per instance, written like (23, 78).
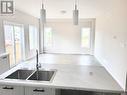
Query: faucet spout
(37, 61)
(37, 56)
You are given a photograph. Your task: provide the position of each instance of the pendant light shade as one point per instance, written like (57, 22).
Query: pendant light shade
(75, 16)
(43, 14)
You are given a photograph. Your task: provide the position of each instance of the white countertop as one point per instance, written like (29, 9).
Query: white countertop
(70, 76)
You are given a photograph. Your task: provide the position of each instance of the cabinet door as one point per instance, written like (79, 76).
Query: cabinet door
(39, 91)
(11, 90)
(4, 64)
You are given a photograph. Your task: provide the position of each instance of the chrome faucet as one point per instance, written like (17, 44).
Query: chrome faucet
(38, 65)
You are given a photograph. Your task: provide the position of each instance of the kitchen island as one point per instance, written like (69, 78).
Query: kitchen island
(68, 76)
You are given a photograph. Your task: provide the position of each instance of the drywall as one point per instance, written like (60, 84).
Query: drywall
(67, 37)
(111, 39)
(19, 18)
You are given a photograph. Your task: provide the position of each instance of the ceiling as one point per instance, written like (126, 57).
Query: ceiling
(87, 8)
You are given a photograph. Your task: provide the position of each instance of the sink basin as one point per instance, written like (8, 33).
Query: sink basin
(20, 74)
(42, 75)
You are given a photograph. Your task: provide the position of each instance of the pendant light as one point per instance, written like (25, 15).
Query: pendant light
(43, 14)
(75, 14)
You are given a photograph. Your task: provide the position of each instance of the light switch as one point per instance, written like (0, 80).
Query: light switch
(123, 44)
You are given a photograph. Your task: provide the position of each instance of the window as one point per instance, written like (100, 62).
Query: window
(33, 39)
(13, 34)
(85, 37)
(48, 35)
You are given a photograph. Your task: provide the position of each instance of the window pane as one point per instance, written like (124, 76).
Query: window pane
(9, 42)
(48, 37)
(33, 37)
(18, 31)
(85, 37)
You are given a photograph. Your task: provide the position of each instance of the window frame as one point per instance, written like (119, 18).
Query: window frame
(88, 37)
(15, 24)
(92, 36)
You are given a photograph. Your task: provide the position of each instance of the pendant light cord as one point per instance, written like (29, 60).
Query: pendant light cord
(76, 4)
(42, 4)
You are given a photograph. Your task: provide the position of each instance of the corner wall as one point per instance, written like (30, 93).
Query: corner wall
(111, 40)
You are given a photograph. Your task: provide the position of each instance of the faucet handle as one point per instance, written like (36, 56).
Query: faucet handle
(39, 65)
(36, 50)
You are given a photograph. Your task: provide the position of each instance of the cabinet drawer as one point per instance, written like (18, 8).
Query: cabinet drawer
(11, 90)
(39, 91)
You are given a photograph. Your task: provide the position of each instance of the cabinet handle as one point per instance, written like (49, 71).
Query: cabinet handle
(9, 88)
(36, 90)
(4, 57)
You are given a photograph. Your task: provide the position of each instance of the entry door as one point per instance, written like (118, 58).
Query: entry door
(13, 42)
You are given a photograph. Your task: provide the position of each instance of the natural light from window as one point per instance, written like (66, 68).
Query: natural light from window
(85, 37)
(33, 37)
(13, 42)
(48, 37)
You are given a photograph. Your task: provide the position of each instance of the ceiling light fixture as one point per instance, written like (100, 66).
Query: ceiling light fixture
(75, 14)
(43, 14)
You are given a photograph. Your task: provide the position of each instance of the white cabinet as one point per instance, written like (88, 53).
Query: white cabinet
(17, 90)
(4, 63)
(11, 90)
(39, 91)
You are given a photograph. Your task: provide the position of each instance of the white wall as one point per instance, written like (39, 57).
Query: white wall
(67, 37)
(111, 36)
(20, 18)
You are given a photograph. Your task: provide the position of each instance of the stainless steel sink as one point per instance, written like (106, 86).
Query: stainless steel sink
(20, 74)
(42, 75)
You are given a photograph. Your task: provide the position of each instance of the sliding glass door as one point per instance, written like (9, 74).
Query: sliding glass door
(13, 42)
(9, 42)
(18, 43)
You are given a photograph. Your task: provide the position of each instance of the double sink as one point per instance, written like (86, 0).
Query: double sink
(41, 75)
